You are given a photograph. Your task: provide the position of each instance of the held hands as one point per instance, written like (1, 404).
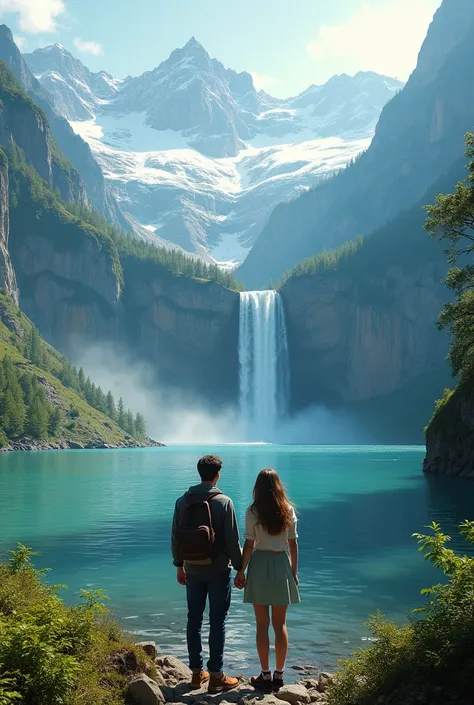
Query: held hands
(181, 576)
(239, 580)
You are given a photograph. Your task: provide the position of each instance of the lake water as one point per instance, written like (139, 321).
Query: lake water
(102, 519)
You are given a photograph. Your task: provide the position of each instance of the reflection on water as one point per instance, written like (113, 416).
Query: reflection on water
(102, 518)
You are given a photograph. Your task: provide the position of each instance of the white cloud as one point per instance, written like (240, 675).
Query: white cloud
(20, 41)
(88, 47)
(263, 82)
(35, 15)
(385, 39)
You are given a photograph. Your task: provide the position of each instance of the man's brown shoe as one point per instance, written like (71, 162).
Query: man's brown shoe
(198, 679)
(221, 684)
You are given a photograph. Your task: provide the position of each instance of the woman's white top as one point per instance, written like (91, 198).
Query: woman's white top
(263, 540)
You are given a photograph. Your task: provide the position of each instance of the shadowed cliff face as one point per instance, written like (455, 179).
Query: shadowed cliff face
(7, 274)
(450, 434)
(351, 340)
(186, 328)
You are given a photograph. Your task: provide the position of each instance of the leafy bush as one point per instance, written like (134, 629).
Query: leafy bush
(436, 647)
(52, 654)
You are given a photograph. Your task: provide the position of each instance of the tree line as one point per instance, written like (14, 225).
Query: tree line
(323, 261)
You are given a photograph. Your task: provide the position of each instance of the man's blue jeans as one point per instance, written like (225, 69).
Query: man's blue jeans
(198, 587)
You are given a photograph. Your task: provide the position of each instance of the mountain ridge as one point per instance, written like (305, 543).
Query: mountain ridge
(224, 154)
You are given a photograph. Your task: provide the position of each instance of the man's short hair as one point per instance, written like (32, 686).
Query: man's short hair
(209, 467)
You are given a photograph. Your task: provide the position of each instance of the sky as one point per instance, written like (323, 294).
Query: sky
(286, 44)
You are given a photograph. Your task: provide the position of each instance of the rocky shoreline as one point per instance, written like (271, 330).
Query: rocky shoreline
(167, 680)
(171, 678)
(29, 444)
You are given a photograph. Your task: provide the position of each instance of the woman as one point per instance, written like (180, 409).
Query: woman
(272, 577)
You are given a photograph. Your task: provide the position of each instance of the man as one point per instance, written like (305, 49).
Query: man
(203, 556)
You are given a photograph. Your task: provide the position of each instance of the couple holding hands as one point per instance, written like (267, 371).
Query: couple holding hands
(205, 545)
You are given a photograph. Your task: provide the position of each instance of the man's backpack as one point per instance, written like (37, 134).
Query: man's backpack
(195, 535)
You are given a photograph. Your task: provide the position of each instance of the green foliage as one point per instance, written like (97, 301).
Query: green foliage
(451, 220)
(436, 647)
(324, 261)
(51, 654)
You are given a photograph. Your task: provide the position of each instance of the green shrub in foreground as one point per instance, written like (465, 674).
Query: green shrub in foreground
(53, 654)
(436, 647)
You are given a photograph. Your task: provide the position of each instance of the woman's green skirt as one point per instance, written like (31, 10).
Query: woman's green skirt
(270, 580)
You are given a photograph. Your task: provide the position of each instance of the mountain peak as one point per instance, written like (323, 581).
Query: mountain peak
(53, 48)
(193, 44)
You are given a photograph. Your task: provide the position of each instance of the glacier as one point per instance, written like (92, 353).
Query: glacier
(196, 157)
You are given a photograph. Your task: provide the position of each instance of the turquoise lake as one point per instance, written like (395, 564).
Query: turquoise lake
(102, 519)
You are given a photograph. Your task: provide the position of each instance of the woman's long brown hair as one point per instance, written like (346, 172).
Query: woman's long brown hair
(271, 505)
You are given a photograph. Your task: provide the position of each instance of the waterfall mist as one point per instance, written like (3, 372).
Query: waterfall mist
(172, 415)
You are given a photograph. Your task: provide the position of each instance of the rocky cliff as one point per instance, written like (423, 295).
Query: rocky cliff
(187, 328)
(354, 340)
(7, 274)
(450, 434)
(72, 146)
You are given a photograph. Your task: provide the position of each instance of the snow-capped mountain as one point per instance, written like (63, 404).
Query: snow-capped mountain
(196, 155)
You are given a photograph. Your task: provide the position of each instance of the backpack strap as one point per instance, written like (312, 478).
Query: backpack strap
(191, 499)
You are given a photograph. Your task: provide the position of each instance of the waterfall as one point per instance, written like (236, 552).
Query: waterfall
(263, 361)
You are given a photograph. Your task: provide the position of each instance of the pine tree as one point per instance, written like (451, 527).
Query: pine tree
(54, 420)
(36, 348)
(111, 409)
(140, 426)
(100, 400)
(37, 419)
(130, 423)
(121, 414)
(88, 390)
(81, 380)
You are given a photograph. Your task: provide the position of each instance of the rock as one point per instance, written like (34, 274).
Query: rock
(294, 694)
(144, 691)
(259, 698)
(309, 683)
(306, 669)
(325, 679)
(173, 670)
(149, 647)
(73, 445)
(125, 662)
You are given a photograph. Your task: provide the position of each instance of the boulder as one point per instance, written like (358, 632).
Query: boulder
(306, 669)
(325, 680)
(173, 670)
(142, 690)
(294, 694)
(149, 647)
